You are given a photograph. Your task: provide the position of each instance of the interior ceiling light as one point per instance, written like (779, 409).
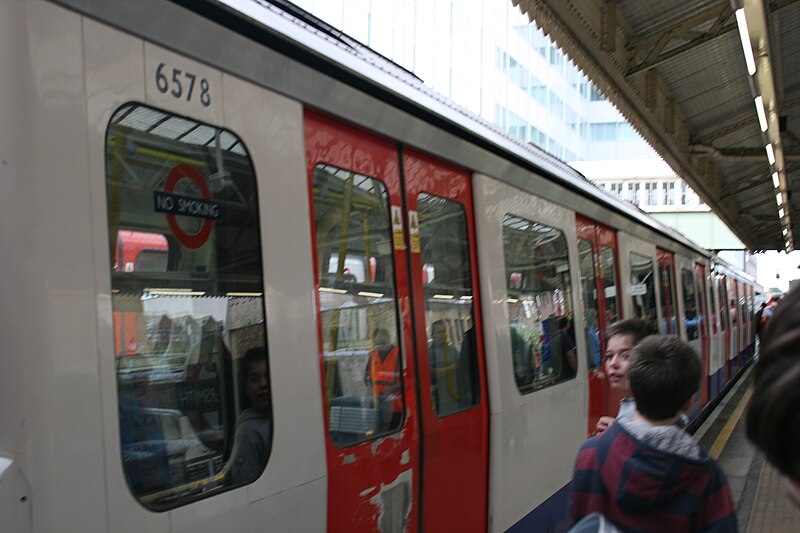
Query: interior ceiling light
(775, 180)
(780, 212)
(744, 35)
(779, 199)
(770, 154)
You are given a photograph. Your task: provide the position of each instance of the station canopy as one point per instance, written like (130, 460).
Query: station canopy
(676, 69)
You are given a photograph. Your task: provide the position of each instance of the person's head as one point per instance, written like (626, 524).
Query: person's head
(664, 373)
(439, 332)
(563, 323)
(381, 337)
(255, 378)
(773, 415)
(621, 337)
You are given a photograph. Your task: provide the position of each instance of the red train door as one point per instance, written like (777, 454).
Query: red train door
(446, 309)
(597, 253)
(702, 326)
(364, 326)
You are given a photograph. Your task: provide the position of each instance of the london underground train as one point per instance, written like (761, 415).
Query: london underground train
(257, 277)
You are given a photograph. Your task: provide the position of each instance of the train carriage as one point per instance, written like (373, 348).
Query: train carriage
(187, 184)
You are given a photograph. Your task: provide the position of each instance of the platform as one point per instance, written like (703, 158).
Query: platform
(761, 502)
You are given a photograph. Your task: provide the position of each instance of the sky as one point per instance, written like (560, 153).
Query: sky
(772, 263)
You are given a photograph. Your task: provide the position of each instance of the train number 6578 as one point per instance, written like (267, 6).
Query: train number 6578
(181, 83)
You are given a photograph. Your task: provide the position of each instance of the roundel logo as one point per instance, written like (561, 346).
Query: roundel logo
(174, 205)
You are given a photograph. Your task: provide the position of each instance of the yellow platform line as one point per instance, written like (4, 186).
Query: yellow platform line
(725, 434)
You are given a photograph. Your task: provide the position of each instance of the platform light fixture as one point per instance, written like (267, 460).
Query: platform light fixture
(776, 180)
(770, 154)
(744, 35)
(781, 212)
(779, 199)
(762, 113)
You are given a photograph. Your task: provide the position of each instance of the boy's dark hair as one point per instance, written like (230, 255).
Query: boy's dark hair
(259, 353)
(635, 327)
(253, 355)
(773, 415)
(664, 374)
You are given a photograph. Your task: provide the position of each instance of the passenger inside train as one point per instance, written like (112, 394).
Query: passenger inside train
(446, 371)
(645, 473)
(253, 440)
(773, 416)
(383, 374)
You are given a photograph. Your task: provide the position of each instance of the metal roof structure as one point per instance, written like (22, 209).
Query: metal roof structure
(676, 69)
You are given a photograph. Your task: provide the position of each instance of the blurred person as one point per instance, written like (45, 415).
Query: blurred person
(773, 415)
(446, 381)
(383, 374)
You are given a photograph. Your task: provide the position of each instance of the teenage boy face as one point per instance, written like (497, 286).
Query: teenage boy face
(618, 349)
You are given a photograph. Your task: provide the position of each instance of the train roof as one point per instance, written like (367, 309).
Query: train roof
(292, 32)
(371, 72)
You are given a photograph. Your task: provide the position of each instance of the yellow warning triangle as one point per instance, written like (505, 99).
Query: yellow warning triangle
(396, 220)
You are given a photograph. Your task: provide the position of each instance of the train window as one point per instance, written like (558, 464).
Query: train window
(722, 293)
(702, 307)
(643, 289)
(358, 307)
(608, 260)
(712, 312)
(669, 324)
(691, 317)
(448, 304)
(188, 311)
(539, 304)
(590, 303)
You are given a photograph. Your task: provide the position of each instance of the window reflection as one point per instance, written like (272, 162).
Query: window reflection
(609, 262)
(447, 283)
(668, 313)
(539, 304)
(187, 299)
(643, 288)
(722, 294)
(691, 317)
(590, 303)
(362, 359)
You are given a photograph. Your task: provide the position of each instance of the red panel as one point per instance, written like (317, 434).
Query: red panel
(667, 259)
(357, 473)
(456, 447)
(603, 400)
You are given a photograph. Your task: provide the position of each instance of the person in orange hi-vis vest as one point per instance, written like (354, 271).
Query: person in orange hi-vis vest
(383, 374)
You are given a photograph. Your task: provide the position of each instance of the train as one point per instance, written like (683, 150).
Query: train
(187, 183)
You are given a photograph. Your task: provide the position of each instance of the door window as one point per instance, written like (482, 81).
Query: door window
(590, 303)
(363, 359)
(447, 283)
(643, 290)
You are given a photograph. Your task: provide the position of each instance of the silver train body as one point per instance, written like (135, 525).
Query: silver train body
(70, 69)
